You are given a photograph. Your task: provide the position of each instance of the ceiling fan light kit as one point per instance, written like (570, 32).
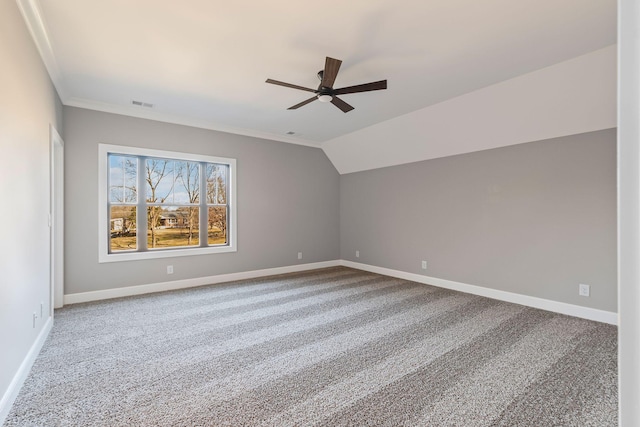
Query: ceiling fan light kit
(326, 92)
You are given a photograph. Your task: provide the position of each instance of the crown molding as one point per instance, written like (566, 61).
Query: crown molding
(32, 15)
(139, 112)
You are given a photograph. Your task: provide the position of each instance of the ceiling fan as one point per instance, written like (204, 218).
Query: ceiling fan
(326, 92)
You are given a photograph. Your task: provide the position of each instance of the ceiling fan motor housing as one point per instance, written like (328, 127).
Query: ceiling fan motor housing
(325, 94)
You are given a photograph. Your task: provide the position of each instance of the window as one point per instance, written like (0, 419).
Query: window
(156, 204)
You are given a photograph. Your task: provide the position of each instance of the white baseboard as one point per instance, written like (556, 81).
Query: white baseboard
(544, 304)
(190, 283)
(21, 375)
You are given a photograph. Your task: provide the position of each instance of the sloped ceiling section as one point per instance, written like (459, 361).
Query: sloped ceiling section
(574, 96)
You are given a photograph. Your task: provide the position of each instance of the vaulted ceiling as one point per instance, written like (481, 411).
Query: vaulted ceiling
(204, 63)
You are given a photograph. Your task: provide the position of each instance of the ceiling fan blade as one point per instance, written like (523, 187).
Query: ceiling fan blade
(303, 103)
(382, 84)
(341, 104)
(276, 82)
(331, 68)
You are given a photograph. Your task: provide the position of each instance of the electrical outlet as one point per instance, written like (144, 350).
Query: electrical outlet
(169, 269)
(357, 254)
(584, 290)
(299, 255)
(424, 265)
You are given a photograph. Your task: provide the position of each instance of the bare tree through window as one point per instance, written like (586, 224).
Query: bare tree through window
(217, 203)
(123, 196)
(156, 171)
(189, 176)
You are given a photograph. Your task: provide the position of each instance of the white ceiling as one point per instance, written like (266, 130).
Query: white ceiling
(204, 62)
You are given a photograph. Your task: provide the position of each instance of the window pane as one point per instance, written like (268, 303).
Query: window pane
(159, 175)
(172, 181)
(123, 178)
(187, 188)
(217, 184)
(122, 228)
(217, 227)
(172, 226)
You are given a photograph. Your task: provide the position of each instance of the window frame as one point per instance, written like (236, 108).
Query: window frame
(103, 202)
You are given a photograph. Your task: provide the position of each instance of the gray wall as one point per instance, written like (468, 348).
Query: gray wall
(288, 199)
(536, 219)
(28, 105)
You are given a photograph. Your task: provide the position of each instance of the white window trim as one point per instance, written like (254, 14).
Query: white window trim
(103, 217)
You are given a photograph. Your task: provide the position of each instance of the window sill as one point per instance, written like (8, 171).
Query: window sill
(159, 253)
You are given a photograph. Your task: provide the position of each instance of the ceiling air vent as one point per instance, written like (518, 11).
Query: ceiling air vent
(142, 104)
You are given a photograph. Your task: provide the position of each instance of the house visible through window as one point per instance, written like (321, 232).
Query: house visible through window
(161, 204)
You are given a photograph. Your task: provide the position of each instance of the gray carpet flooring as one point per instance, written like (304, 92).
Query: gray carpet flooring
(331, 347)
